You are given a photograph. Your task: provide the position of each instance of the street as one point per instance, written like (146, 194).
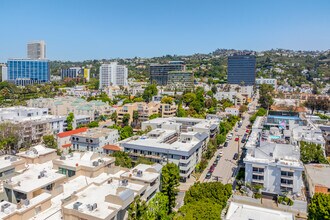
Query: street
(227, 167)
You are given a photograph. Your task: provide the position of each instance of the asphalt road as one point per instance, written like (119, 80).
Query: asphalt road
(226, 169)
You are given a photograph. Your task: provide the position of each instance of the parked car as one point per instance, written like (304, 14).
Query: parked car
(220, 154)
(236, 139)
(235, 156)
(247, 131)
(218, 158)
(226, 144)
(208, 175)
(215, 163)
(236, 129)
(229, 136)
(211, 169)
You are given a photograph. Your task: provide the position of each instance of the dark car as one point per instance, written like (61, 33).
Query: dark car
(215, 163)
(235, 156)
(208, 175)
(226, 144)
(218, 158)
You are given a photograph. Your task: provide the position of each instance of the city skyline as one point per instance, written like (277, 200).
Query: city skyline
(84, 30)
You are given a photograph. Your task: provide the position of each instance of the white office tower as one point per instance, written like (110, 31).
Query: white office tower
(36, 50)
(113, 75)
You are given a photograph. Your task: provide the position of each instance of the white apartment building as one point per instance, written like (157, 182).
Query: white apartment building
(163, 146)
(277, 167)
(94, 139)
(269, 81)
(233, 96)
(208, 126)
(112, 75)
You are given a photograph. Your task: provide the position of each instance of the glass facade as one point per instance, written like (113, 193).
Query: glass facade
(242, 68)
(24, 71)
(159, 72)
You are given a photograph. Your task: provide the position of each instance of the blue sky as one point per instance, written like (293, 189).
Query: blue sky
(96, 29)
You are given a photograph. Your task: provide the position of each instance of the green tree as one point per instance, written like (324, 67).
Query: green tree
(214, 89)
(167, 100)
(243, 108)
(113, 117)
(49, 141)
(9, 136)
(93, 124)
(149, 92)
(220, 138)
(170, 182)
(158, 208)
(181, 112)
(311, 153)
(137, 210)
(122, 159)
(188, 98)
(135, 115)
(202, 210)
(126, 118)
(126, 132)
(319, 207)
(153, 116)
(69, 121)
(266, 93)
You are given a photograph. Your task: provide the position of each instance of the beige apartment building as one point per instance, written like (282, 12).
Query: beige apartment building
(145, 110)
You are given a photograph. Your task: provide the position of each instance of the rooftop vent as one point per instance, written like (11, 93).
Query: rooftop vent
(124, 182)
(95, 163)
(62, 158)
(7, 157)
(12, 159)
(4, 206)
(139, 173)
(26, 202)
(76, 205)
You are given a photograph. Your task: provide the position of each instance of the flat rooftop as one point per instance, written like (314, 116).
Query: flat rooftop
(95, 133)
(36, 151)
(83, 159)
(6, 161)
(149, 172)
(319, 174)
(29, 180)
(156, 139)
(239, 211)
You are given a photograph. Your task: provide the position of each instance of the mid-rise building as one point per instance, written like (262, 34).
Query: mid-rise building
(276, 167)
(62, 106)
(233, 96)
(34, 123)
(180, 80)
(242, 69)
(26, 71)
(113, 74)
(232, 111)
(163, 146)
(75, 72)
(159, 73)
(64, 138)
(94, 139)
(36, 50)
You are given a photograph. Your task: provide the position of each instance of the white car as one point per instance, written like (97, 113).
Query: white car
(230, 137)
(221, 153)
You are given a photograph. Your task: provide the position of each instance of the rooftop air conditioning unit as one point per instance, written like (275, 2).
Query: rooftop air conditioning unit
(26, 202)
(124, 182)
(62, 158)
(4, 206)
(12, 159)
(95, 163)
(139, 173)
(76, 205)
(7, 157)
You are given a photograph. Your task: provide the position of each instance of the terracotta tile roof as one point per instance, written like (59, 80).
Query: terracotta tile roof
(69, 133)
(111, 147)
(66, 145)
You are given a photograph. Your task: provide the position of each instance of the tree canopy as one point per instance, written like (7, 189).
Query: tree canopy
(319, 207)
(266, 93)
(170, 181)
(311, 153)
(49, 141)
(150, 91)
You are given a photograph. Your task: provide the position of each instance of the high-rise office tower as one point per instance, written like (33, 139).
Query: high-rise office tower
(113, 74)
(242, 69)
(27, 71)
(159, 72)
(36, 50)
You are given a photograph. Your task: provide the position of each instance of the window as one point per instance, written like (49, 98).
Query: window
(258, 170)
(257, 177)
(286, 173)
(288, 182)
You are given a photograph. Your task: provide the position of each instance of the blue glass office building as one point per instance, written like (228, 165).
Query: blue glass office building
(242, 68)
(26, 71)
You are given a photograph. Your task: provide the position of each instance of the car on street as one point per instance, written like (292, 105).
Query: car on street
(226, 144)
(218, 157)
(247, 131)
(230, 136)
(235, 156)
(212, 168)
(215, 163)
(208, 175)
(236, 139)
(236, 129)
(220, 154)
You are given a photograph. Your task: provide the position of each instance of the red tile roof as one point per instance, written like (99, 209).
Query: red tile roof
(69, 133)
(111, 147)
(66, 145)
